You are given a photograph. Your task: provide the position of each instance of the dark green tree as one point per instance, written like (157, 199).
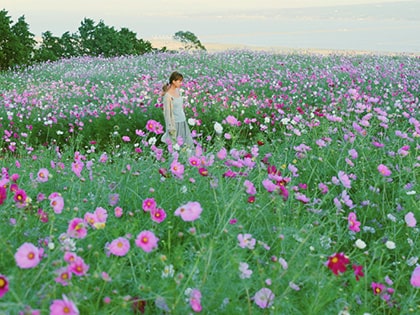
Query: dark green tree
(189, 40)
(50, 48)
(16, 42)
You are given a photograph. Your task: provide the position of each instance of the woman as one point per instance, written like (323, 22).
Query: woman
(173, 111)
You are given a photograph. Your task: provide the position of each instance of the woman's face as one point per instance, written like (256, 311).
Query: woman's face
(177, 83)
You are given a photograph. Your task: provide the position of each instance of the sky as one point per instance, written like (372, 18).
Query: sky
(376, 25)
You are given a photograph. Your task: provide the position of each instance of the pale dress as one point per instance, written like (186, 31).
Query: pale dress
(173, 111)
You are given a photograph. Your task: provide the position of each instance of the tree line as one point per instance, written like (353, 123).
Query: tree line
(18, 46)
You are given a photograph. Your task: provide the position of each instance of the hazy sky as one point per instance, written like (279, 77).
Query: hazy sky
(248, 22)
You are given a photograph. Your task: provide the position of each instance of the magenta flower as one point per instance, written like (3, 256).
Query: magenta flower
(354, 225)
(147, 241)
(149, 204)
(78, 266)
(3, 194)
(377, 288)
(28, 256)
(63, 307)
(195, 300)
(415, 277)
(337, 263)
(246, 241)
(42, 175)
(158, 215)
(264, 298)
(20, 196)
(4, 285)
(154, 126)
(119, 247)
(63, 276)
(358, 271)
(190, 211)
(77, 228)
(384, 170)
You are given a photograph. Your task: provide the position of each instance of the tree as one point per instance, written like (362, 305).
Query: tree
(189, 40)
(16, 42)
(26, 42)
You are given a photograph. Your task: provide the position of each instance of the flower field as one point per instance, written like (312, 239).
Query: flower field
(301, 196)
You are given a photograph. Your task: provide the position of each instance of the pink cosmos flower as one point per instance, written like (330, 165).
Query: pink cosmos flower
(56, 202)
(4, 285)
(101, 215)
(410, 220)
(63, 307)
(126, 138)
(77, 167)
(190, 211)
(177, 169)
(69, 257)
(78, 266)
(415, 277)
(103, 158)
(384, 170)
(28, 256)
(147, 241)
(42, 175)
(77, 228)
(154, 126)
(246, 241)
(195, 300)
(119, 247)
(250, 188)
(158, 215)
(245, 273)
(264, 298)
(63, 276)
(344, 179)
(194, 161)
(221, 155)
(354, 225)
(149, 204)
(118, 212)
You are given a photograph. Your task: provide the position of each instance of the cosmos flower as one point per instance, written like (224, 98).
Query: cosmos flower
(264, 298)
(28, 256)
(147, 241)
(337, 263)
(191, 211)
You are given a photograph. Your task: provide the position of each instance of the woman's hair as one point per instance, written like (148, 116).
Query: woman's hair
(174, 77)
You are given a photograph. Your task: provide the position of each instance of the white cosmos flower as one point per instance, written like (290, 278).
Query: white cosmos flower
(218, 128)
(390, 245)
(360, 244)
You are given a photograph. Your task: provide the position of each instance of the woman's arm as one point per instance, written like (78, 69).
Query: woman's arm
(168, 113)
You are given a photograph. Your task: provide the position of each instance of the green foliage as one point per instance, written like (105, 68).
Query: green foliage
(16, 42)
